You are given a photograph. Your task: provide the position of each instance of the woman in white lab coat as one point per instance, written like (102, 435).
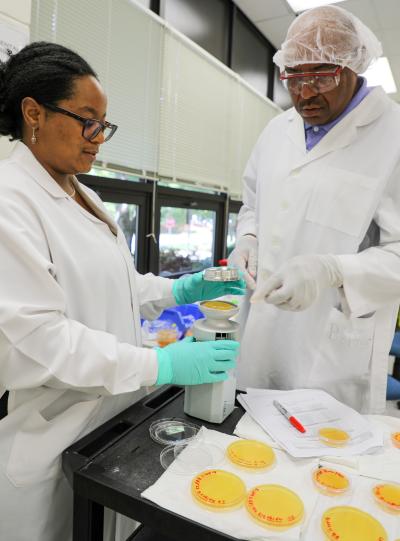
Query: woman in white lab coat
(71, 298)
(323, 226)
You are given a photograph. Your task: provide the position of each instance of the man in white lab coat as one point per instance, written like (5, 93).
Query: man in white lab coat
(71, 299)
(319, 229)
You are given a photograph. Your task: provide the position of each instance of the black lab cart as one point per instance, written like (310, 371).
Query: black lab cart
(114, 464)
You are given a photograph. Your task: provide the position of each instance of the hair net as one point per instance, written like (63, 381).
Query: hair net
(328, 35)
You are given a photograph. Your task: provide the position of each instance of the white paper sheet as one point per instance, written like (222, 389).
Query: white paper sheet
(314, 409)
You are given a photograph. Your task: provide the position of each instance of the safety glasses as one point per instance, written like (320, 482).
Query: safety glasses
(91, 127)
(318, 81)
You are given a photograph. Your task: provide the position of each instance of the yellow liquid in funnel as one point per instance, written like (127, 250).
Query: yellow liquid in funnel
(388, 496)
(251, 454)
(274, 506)
(351, 524)
(218, 489)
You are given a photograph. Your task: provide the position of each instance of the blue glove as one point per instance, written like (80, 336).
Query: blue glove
(192, 363)
(193, 287)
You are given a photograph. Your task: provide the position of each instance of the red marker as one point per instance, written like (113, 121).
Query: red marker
(292, 420)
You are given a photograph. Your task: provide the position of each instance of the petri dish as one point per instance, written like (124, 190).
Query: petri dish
(330, 481)
(251, 454)
(387, 495)
(396, 439)
(274, 506)
(190, 459)
(218, 490)
(350, 524)
(334, 437)
(221, 274)
(172, 431)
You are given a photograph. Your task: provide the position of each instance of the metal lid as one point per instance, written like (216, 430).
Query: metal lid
(221, 274)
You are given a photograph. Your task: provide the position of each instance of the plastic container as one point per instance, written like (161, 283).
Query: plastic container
(218, 490)
(334, 437)
(395, 436)
(251, 454)
(387, 495)
(275, 506)
(170, 431)
(221, 274)
(347, 523)
(330, 482)
(186, 459)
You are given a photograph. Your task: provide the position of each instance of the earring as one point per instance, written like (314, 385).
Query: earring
(33, 138)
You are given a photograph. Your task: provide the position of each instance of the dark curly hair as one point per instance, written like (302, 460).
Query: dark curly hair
(43, 71)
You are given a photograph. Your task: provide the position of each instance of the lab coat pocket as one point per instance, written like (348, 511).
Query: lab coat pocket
(36, 451)
(344, 356)
(344, 201)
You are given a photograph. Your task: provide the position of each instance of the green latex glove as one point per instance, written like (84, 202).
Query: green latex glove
(191, 363)
(193, 287)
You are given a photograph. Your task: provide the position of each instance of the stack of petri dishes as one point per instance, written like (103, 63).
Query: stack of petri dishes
(251, 455)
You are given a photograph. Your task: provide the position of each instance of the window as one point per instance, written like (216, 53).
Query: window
(126, 216)
(231, 232)
(186, 240)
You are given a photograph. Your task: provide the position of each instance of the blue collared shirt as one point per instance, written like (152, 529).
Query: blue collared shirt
(314, 134)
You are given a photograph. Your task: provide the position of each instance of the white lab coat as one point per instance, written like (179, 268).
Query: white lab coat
(341, 197)
(70, 338)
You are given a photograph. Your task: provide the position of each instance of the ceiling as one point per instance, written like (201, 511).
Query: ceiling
(273, 17)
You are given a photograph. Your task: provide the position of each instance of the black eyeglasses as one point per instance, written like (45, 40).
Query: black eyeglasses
(91, 127)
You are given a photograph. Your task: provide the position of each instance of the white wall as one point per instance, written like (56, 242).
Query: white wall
(15, 14)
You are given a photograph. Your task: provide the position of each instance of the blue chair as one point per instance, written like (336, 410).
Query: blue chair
(393, 383)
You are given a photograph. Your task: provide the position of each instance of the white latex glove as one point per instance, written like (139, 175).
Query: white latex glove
(298, 283)
(244, 257)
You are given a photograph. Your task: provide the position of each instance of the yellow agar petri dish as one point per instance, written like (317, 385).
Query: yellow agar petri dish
(333, 437)
(347, 523)
(218, 305)
(396, 439)
(274, 506)
(330, 481)
(388, 496)
(251, 454)
(218, 489)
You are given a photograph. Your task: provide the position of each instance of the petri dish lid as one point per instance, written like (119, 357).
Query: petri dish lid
(330, 481)
(396, 439)
(333, 436)
(172, 431)
(221, 274)
(388, 496)
(349, 523)
(275, 506)
(251, 454)
(190, 459)
(218, 489)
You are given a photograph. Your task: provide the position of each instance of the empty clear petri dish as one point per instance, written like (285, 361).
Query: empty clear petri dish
(387, 495)
(172, 431)
(186, 459)
(350, 524)
(330, 482)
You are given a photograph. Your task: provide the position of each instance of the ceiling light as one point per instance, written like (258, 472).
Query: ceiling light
(380, 74)
(301, 5)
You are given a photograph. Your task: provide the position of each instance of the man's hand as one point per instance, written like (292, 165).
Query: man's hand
(299, 282)
(244, 257)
